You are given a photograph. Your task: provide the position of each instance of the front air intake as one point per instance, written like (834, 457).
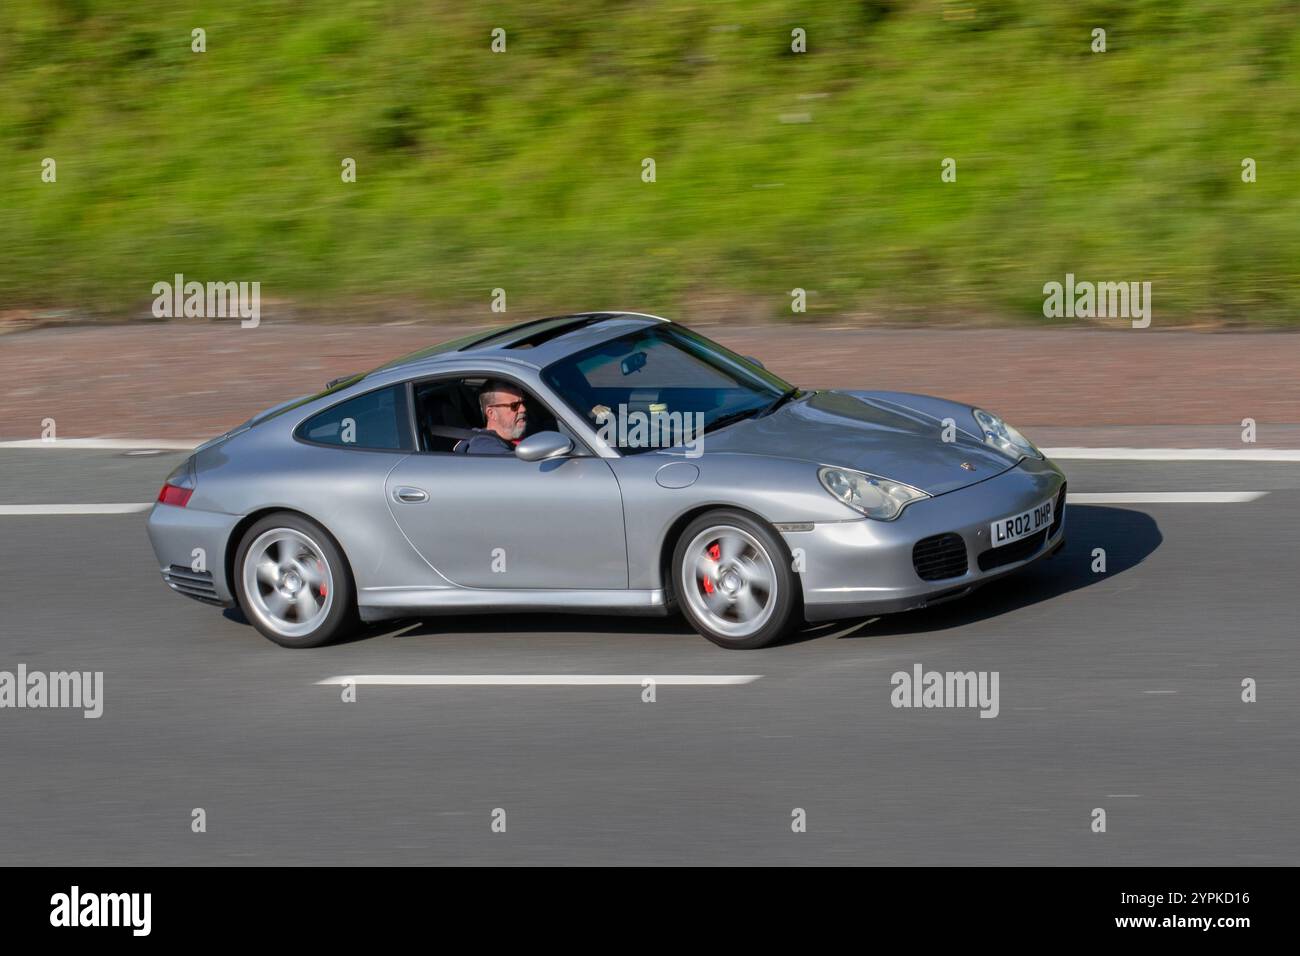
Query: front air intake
(940, 556)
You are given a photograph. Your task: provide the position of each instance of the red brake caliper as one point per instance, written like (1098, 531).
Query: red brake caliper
(715, 552)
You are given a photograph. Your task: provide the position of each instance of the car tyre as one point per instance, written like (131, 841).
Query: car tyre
(733, 580)
(293, 583)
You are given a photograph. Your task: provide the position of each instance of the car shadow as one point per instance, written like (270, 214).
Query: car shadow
(539, 622)
(1128, 537)
(363, 633)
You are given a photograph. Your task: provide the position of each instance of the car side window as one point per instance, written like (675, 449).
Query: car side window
(376, 420)
(448, 409)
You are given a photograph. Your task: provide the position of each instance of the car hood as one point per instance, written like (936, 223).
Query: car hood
(867, 434)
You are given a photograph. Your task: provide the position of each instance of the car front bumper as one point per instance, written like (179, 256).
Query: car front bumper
(862, 567)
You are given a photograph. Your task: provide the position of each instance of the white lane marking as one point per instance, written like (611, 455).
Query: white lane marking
(533, 680)
(1174, 454)
(104, 444)
(111, 508)
(1123, 794)
(1160, 692)
(1163, 497)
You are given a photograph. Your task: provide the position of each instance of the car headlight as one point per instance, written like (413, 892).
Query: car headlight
(875, 497)
(1003, 437)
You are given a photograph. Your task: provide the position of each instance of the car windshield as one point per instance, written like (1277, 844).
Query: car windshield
(665, 373)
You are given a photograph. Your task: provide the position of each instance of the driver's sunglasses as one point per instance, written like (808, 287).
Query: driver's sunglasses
(513, 406)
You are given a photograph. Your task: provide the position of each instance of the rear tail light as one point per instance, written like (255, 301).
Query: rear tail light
(179, 485)
(174, 495)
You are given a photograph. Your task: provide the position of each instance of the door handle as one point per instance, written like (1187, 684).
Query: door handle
(410, 495)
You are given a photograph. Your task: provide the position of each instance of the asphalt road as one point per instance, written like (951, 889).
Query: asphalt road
(1119, 690)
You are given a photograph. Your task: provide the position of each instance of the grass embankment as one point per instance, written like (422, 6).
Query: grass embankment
(522, 170)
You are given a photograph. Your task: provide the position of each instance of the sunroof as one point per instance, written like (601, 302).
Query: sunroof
(507, 332)
(512, 336)
(545, 334)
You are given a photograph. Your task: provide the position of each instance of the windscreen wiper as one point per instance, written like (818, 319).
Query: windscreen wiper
(785, 397)
(722, 421)
(743, 413)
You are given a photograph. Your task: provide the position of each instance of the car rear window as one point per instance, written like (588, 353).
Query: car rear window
(377, 420)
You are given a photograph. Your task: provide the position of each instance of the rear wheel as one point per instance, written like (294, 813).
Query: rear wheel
(293, 583)
(733, 580)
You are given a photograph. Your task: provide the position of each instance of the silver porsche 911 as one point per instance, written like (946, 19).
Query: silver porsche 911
(610, 462)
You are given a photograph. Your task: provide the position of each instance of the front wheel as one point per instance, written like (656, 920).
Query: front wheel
(734, 580)
(293, 583)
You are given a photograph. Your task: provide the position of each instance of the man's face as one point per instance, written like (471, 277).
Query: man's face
(506, 414)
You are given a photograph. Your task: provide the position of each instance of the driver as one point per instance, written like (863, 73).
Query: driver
(505, 414)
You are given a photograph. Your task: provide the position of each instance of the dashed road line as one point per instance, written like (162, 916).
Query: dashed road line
(110, 508)
(103, 444)
(536, 680)
(1164, 497)
(1173, 454)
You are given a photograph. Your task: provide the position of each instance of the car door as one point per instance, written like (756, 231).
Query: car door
(495, 521)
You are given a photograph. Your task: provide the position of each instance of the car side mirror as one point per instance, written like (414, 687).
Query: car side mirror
(543, 445)
(750, 358)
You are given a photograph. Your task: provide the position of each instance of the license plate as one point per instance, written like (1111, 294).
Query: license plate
(1022, 525)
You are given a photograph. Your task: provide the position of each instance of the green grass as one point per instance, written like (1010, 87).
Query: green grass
(522, 170)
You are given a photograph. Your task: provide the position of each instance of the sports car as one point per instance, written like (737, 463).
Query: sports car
(658, 472)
